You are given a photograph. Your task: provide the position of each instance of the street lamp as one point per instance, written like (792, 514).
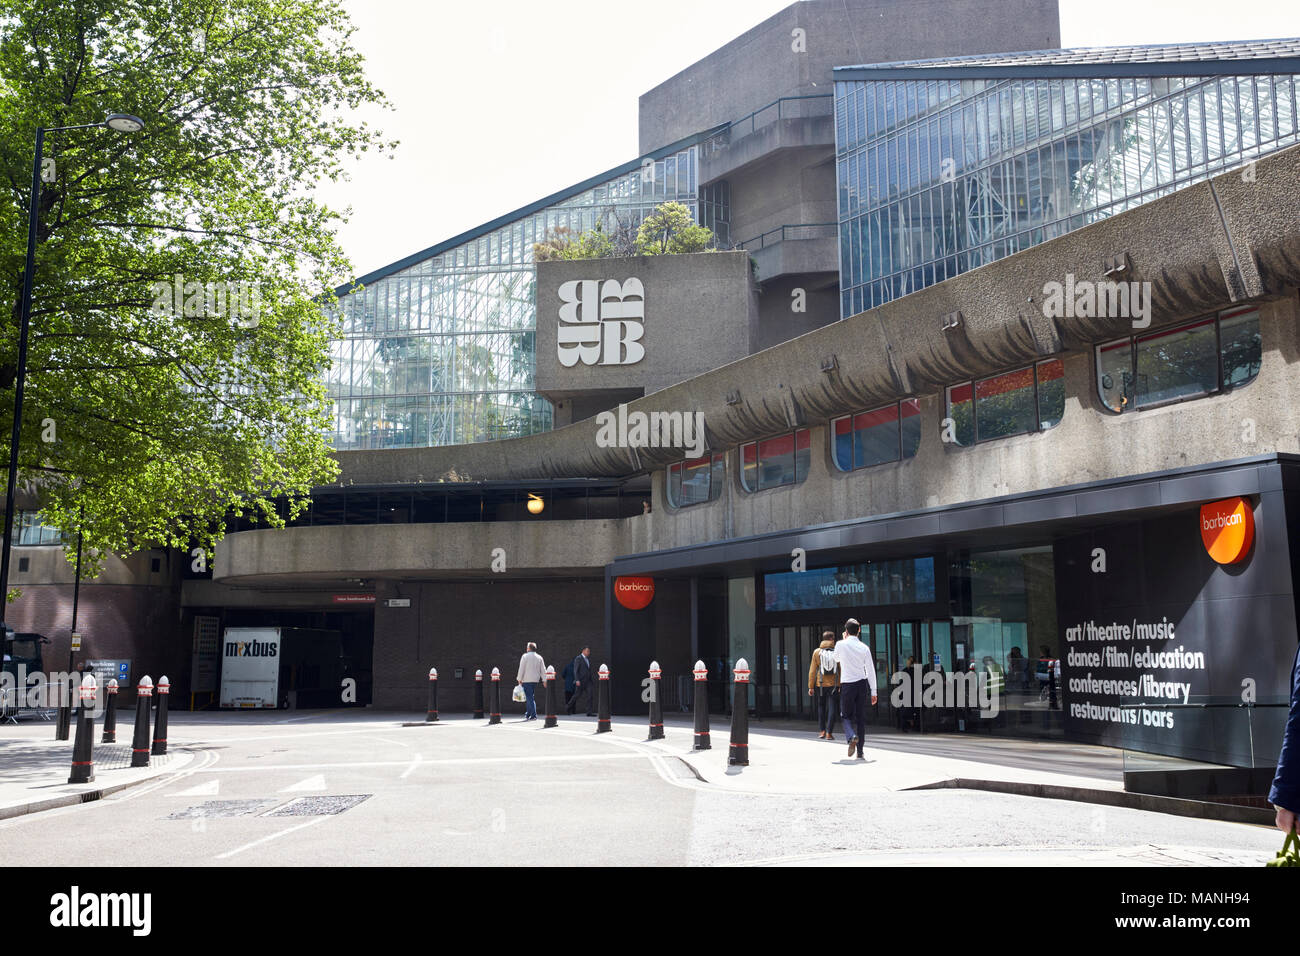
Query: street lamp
(118, 122)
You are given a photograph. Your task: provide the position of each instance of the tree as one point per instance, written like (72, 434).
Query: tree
(670, 230)
(178, 337)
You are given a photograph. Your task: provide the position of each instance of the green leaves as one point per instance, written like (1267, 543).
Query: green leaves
(171, 411)
(670, 230)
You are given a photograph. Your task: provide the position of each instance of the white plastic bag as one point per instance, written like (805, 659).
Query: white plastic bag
(518, 695)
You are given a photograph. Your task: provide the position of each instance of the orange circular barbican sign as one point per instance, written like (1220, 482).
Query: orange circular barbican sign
(634, 593)
(1228, 529)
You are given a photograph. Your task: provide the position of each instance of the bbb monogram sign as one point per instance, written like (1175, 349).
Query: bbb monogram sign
(601, 323)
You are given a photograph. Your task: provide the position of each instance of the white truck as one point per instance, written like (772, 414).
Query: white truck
(250, 667)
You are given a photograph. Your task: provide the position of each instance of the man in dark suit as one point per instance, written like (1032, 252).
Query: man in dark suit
(1285, 794)
(582, 689)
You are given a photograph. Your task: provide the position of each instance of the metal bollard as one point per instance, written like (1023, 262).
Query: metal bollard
(738, 756)
(62, 723)
(160, 726)
(602, 698)
(495, 717)
(551, 719)
(110, 712)
(478, 695)
(83, 758)
(432, 715)
(140, 739)
(701, 707)
(656, 711)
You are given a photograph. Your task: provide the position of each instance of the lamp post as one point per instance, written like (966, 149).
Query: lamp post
(121, 123)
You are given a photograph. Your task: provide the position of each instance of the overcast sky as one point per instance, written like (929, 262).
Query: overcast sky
(501, 102)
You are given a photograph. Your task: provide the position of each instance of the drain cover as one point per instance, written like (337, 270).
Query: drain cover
(318, 806)
(223, 808)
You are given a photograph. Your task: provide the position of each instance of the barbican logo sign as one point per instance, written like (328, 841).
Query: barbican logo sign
(1228, 529)
(635, 594)
(601, 323)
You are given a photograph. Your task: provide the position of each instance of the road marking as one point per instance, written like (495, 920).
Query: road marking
(573, 758)
(249, 846)
(415, 762)
(389, 740)
(311, 783)
(202, 790)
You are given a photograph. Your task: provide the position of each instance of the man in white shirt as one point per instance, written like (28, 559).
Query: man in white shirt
(531, 670)
(857, 673)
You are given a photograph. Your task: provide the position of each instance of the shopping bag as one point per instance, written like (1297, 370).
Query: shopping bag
(1289, 855)
(518, 695)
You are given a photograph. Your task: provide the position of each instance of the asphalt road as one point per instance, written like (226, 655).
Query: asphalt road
(362, 790)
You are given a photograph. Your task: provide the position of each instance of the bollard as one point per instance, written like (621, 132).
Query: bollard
(738, 756)
(478, 695)
(495, 717)
(701, 707)
(656, 711)
(432, 715)
(63, 722)
(140, 739)
(160, 726)
(83, 758)
(551, 719)
(602, 698)
(110, 712)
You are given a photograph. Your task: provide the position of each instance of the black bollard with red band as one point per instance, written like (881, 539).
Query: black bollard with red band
(701, 707)
(140, 739)
(478, 695)
(160, 723)
(432, 715)
(110, 712)
(83, 758)
(738, 756)
(63, 722)
(656, 710)
(495, 716)
(602, 701)
(551, 719)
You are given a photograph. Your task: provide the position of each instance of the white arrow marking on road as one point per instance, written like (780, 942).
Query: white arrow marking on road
(311, 783)
(414, 763)
(202, 790)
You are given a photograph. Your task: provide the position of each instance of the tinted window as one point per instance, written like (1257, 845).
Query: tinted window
(1004, 405)
(1051, 393)
(1177, 363)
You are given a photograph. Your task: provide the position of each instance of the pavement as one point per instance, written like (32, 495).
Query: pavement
(357, 787)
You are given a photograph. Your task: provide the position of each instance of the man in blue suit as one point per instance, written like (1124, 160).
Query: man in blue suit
(1285, 794)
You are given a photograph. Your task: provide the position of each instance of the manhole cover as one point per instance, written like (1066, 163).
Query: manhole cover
(318, 806)
(223, 808)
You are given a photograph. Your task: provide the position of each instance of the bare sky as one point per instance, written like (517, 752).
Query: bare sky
(501, 102)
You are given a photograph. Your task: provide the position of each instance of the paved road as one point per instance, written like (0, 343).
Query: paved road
(269, 791)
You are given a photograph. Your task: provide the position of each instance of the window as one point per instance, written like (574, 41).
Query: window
(775, 461)
(696, 481)
(28, 530)
(875, 437)
(1013, 403)
(1198, 358)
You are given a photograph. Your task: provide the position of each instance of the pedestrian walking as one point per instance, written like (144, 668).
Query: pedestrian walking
(1285, 792)
(582, 683)
(531, 670)
(857, 675)
(824, 685)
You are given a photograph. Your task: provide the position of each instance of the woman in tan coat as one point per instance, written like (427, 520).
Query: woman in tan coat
(824, 684)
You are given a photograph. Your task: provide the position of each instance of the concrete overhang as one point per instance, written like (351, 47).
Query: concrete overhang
(328, 555)
(736, 148)
(1216, 242)
(797, 257)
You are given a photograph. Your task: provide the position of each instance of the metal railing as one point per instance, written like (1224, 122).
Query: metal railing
(812, 230)
(787, 107)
